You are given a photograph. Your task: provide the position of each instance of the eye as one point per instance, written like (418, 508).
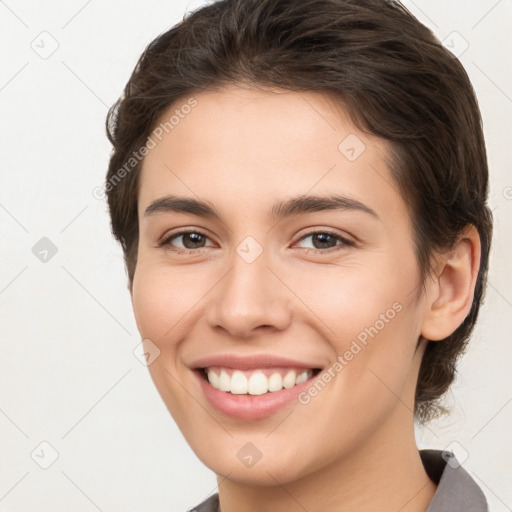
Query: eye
(190, 240)
(326, 240)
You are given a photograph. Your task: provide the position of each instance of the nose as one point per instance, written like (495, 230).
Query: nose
(249, 299)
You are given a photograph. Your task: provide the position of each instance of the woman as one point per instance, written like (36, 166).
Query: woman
(300, 191)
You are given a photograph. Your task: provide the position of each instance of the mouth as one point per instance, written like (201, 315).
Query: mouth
(256, 382)
(253, 393)
(253, 386)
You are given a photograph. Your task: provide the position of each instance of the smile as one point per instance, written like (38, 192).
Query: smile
(257, 381)
(255, 386)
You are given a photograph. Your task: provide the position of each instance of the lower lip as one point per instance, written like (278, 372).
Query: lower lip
(250, 407)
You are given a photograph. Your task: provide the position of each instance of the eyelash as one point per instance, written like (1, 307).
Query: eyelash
(166, 241)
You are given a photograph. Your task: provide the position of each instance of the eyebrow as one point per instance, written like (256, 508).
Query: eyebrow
(298, 205)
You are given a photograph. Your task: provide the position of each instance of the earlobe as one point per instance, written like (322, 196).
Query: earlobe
(450, 295)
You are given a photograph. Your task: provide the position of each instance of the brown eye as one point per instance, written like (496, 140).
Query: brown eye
(186, 240)
(325, 240)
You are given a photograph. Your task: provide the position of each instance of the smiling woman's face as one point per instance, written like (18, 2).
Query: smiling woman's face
(261, 291)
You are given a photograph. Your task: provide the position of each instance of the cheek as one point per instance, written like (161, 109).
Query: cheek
(348, 299)
(163, 299)
(371, 321)
(164, 303)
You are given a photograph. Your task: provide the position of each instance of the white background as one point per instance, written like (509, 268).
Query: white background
(68, 375)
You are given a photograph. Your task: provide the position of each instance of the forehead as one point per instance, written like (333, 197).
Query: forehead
(255, 146)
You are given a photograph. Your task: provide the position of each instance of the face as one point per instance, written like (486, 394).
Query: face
(276, 252)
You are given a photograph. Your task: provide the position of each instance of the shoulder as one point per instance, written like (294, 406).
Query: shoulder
(210, 504)
(456, 489)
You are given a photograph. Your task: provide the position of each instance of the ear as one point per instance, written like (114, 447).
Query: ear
(450, 292)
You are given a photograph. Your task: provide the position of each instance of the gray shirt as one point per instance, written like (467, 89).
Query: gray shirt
(456, 490)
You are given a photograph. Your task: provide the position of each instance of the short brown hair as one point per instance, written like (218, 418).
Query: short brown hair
(386, 69)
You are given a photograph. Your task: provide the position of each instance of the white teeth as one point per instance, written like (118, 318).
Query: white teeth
(289, 379)
(213, 379)
(258, 384)
(255, 383)
(302, 377)
(238, 383)
(224, 381)
(275, 382)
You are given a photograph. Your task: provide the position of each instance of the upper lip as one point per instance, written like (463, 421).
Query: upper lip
(251, 362)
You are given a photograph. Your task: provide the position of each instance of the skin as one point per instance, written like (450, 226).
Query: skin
(352, 447)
